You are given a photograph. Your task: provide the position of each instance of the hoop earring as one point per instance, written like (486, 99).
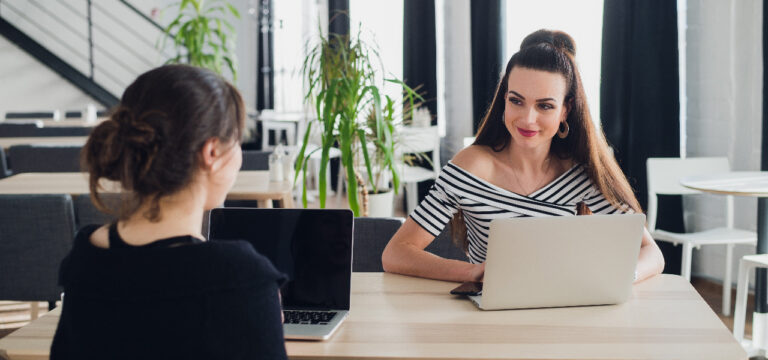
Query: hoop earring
(563, 133)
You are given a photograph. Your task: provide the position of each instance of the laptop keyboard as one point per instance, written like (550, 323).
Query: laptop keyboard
(308, 317)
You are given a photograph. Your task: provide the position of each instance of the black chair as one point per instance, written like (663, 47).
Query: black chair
(86, 213)
(4, 172)
(36, 233)
(41, 158)
(30, 115)
(32, 129)
(252, 160)
(373, 234)
(63, 131)
(443, 246)
(255, 160)
(18, 129)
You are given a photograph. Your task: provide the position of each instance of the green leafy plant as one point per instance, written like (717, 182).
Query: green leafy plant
(346, 95)
(202, 36)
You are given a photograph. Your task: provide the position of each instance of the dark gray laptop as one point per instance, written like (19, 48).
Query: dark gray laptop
(313, 247)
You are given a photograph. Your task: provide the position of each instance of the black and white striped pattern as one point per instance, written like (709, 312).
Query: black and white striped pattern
(480, 202)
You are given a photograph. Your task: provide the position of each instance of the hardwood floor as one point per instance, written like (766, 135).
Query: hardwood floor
(711, 292)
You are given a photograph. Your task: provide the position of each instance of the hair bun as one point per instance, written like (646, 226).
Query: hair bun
(558, 39)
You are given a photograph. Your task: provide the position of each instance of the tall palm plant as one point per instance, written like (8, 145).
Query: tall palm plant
(343, 88)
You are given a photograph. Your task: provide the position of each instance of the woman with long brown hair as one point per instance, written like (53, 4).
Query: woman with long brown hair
(537, 153)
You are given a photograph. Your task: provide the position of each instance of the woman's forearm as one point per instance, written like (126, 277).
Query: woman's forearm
(649, 263)
(408, 260)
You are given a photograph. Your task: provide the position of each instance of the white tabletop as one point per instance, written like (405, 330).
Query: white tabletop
(281, 116)
(741, 183)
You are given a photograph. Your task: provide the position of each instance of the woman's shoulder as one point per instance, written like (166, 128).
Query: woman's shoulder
(476, 159)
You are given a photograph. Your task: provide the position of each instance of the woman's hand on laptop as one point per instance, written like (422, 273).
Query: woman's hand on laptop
(477, 272)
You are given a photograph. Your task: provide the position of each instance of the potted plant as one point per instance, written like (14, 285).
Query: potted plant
(346, 95)
(202, 36)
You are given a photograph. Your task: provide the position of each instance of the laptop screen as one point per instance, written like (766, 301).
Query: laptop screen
(312, 247)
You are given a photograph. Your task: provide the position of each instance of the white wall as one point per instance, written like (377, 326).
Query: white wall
(724, 86)
(28, 85)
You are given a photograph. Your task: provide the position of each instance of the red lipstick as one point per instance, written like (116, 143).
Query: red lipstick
(527, 133)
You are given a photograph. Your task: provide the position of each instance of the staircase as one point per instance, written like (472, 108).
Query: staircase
(98, 46)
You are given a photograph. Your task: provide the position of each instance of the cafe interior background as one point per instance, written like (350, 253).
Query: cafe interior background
(663, 78)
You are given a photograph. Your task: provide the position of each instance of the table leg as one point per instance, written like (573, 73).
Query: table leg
(287, 201)
(760, 318)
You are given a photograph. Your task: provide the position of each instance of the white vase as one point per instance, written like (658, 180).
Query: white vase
(381, 205)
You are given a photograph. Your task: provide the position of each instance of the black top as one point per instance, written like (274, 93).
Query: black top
(176, 298)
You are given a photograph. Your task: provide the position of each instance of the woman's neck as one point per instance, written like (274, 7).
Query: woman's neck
(528, 161)
(180, 214)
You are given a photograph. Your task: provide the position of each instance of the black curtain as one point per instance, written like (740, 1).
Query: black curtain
(420, 63)
(338, 23)
(420, 50)
(265, 64)
(487, 26)
(639, 97)
(338, 17)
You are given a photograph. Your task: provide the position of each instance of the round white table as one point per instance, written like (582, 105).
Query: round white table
(754, 184)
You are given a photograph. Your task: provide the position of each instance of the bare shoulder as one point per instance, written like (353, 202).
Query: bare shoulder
(477, 159)
(100, 237)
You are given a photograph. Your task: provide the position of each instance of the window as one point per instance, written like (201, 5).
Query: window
(382, 25)
(288, 45)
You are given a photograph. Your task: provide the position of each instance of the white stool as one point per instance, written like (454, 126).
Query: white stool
(756, 347)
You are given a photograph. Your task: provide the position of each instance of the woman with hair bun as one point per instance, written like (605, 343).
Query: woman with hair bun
(537, 153)
(148, 286)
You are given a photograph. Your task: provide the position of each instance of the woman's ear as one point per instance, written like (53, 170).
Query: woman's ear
(210, 154)
(567, 106)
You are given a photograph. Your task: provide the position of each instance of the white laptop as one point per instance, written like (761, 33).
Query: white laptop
(558, 261)
(313, 247)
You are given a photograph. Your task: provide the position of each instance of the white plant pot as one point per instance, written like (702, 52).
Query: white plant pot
(381, 205)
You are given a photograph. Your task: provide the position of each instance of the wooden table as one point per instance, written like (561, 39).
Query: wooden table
(7, 142)
(399, 317)
(753, 184)
(249, 185)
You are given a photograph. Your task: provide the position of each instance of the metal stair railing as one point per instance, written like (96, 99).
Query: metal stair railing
(109, 41)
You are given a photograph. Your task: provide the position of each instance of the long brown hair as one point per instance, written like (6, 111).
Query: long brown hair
(555, 51)
(151, 143)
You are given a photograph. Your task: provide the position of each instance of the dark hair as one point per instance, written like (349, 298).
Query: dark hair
(151, 142)
(555, 51)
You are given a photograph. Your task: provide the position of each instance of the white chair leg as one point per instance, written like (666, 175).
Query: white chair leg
(727, 280)
(685, 270)
(411, 197)
(290, 135)
(740, 313)
(265, 128)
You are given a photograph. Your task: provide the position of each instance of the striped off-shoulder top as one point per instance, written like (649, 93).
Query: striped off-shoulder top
(480, 202)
